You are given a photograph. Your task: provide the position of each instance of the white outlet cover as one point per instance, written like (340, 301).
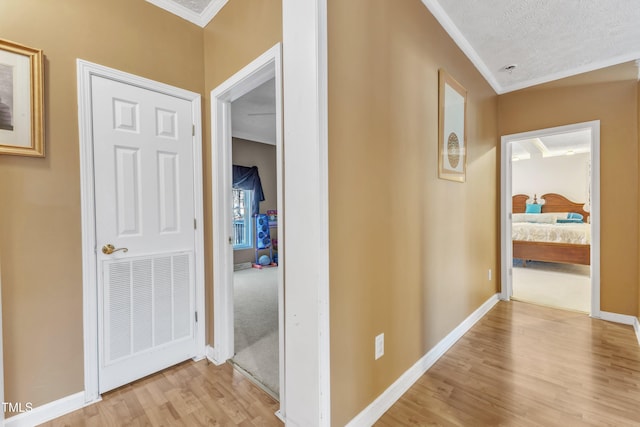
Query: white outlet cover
(379, 346)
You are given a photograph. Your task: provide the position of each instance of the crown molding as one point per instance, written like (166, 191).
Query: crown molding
(593, 66)
(200, 19)
(441, 16)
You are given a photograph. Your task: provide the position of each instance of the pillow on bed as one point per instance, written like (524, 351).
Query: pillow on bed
(569, 220)
(533, 208)
(574, 215)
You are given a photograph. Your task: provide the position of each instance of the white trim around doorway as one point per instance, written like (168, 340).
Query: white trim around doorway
(506, 206)
(306, 118)
(265, 67)
(85, 70)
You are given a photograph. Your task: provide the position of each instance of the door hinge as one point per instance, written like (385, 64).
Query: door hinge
(193, 130)
(195, 224)
(196, 317)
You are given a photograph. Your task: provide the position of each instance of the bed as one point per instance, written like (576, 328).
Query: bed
(550, 237)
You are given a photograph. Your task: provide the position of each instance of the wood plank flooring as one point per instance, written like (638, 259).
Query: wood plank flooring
(528, 365)
(521, 365)
(190, 394)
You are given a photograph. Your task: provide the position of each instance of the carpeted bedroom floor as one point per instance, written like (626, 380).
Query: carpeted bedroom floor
(256, 325)
(566, 286)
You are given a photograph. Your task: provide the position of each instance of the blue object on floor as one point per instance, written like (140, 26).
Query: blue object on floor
(264, 260)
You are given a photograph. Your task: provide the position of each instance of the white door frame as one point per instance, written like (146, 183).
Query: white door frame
(306, 223)
(89, 266)
(306, 164)
(506, 206)
(265, 67)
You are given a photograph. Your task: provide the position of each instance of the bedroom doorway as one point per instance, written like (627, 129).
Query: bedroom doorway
(255, 238)
(550, 197)
(262, 74)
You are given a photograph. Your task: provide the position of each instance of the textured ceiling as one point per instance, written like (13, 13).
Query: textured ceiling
(253, 115)
(200, 12)
(546, 39)
(196, 6)
(561, 144)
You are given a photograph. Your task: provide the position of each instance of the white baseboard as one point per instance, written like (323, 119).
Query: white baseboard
(212, 356)
(367, 417)
(379, 406)
(242, 265)
(624, 319)
(47, 412)
(60, 407)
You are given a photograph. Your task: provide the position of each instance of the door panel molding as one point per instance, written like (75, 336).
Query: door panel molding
(85, 71)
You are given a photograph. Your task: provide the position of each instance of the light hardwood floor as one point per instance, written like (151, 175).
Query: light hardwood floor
(191, 394)
(521, 365)
(528, 365)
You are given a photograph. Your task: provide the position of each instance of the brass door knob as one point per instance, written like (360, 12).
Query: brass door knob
(108, 249)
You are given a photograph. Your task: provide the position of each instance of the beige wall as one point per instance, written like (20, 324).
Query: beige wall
(415, 282)
(409, 253)
(40, 198)
(240, 32)
(615, 104)
(249, 153)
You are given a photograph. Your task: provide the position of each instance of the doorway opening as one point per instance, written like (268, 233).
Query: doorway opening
(255, 243)
(551, 218)
(248, 301)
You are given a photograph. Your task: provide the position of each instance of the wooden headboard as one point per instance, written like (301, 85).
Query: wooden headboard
(552, 203)
(519, 203)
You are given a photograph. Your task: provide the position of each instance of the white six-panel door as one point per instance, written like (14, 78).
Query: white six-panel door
(144, 203)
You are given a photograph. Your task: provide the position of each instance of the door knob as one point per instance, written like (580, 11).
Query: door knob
(108, 249)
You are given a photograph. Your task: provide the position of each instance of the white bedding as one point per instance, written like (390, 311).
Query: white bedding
(546, 218)
(556, 233)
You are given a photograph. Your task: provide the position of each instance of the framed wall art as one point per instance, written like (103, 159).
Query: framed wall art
(452, 129)
(21, 100)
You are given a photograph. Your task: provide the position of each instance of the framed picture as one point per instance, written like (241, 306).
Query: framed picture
(452, 129)
(21, 100)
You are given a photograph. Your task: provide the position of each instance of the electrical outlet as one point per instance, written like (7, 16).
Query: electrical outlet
(489, 274)
(379, 346)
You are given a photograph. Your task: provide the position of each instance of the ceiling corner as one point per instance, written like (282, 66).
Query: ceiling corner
(441, 16)
(211, 11)
(200, 19)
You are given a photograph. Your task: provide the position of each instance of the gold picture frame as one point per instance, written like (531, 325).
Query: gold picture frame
(21, 100)
(452, 128)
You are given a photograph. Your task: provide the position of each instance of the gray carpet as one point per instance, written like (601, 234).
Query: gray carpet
(256, 324)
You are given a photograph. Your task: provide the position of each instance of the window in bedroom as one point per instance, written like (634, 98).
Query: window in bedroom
(242, 236)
